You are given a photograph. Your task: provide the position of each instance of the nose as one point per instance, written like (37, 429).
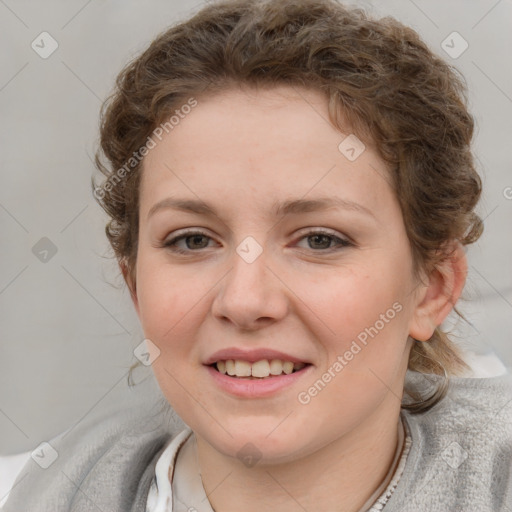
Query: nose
(252, 295)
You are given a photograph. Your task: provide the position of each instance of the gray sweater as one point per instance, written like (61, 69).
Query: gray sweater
(460, 458)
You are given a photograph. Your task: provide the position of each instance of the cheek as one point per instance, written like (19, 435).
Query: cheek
(349, 301)
(172, 304)
(170, 301)
(364, 332)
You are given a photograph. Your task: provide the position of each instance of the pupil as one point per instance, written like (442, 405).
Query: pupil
(325, 237)
(195, 239)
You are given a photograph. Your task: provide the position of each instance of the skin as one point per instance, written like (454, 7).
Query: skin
(241, 151)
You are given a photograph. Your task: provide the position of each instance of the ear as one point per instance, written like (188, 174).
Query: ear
(439, 295)
(130, 283)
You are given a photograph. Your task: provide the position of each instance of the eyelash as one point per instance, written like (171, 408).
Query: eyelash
(171, 244)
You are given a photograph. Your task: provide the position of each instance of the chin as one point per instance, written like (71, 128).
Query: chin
(255, 439)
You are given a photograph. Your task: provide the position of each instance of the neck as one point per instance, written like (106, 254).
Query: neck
(342, 475)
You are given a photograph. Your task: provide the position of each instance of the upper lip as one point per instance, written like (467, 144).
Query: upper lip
(251, 355)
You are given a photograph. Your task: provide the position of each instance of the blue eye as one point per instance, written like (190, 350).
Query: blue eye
(195, 241)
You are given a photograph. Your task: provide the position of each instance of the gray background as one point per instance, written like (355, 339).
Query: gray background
(68, 329)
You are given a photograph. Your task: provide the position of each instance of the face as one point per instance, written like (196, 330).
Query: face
(263, 240)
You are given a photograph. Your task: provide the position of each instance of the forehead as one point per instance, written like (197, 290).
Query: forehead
(261, 144)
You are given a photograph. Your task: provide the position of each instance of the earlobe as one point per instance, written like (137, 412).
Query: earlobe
(440, 294)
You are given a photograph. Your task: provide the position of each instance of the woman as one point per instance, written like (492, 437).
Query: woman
(291, 187)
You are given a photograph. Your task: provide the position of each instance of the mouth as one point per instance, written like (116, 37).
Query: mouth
(263, 369)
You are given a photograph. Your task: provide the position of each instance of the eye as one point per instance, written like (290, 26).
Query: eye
(193, 240)
(322, 240)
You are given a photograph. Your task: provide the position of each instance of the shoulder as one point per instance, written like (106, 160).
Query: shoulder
(471, 406)
(461, 454)
(97, 464)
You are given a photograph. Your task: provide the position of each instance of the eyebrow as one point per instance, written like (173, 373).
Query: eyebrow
(291, 206)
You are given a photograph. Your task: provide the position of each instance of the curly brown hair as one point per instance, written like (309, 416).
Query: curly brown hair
(397, 95)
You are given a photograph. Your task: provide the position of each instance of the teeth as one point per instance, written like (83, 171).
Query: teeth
(287, 367)
(242, 368)
(260, 369)
(221, 366)
(276, 367)
(230, 367)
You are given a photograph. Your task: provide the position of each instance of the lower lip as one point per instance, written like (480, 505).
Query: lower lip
(256, 388)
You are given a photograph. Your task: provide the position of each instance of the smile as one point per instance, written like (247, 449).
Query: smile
(262, 369)
(259, 379)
